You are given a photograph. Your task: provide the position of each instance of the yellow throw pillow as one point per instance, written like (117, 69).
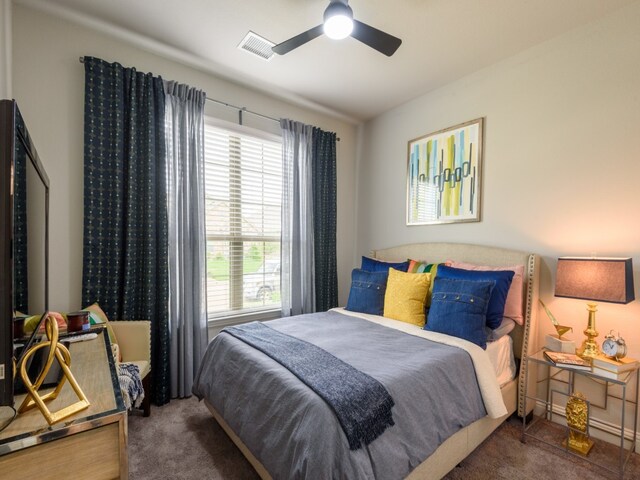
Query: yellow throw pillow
(406, 295)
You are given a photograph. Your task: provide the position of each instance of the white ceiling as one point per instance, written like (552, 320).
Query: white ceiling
(442, 40)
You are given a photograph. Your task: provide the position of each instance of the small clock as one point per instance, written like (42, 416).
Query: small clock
(614, 347)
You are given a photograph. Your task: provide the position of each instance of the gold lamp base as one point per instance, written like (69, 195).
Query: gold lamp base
(589, 348)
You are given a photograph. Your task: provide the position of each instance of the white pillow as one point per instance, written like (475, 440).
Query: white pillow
(504, 329)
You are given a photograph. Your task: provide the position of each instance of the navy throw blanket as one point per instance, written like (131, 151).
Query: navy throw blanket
(361, 403)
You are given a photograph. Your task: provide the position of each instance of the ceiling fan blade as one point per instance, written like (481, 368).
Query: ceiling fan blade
(381, 41)
(297, 41)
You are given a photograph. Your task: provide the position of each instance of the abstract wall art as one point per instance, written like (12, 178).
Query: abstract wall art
(443, 175)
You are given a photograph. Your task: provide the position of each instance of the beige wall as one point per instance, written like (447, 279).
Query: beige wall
(561, 160)
(49, 87)
(5, 49)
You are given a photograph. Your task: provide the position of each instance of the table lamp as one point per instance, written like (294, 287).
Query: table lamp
(597, 280)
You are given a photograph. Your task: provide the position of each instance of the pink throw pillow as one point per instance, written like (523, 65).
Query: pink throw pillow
(513, 304)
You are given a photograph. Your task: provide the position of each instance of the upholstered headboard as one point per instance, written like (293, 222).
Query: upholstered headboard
(525, 336)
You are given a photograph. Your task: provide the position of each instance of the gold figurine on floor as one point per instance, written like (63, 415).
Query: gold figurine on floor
(578, 420)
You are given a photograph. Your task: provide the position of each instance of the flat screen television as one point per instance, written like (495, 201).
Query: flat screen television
(24, 238)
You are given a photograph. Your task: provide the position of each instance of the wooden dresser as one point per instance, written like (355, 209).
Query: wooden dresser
(90, 444)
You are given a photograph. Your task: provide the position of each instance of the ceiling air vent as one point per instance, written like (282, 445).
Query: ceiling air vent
(255, 44)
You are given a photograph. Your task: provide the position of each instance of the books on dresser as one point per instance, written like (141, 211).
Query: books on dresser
(567, 360)
(612, 368)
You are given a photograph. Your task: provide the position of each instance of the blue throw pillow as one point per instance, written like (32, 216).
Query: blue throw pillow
(367, 291)
(459, 308)
(373, 265)
(503, 278)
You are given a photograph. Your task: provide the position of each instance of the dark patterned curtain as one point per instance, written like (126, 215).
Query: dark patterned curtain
(125, 253)
(20, 264)
(324, 219)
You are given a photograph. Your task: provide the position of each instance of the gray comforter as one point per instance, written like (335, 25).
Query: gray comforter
(295, 434)
(361, 403)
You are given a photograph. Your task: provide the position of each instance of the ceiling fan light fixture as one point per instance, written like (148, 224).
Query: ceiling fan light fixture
(338, 27)
(338, 20)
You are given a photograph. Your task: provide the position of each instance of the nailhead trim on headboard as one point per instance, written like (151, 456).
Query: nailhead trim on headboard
(526, 346)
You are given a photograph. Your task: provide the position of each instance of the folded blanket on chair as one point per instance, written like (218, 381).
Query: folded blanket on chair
(361, 403)
(131, 385)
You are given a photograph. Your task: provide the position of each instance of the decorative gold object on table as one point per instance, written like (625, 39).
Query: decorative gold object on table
(59, 353)
(578, 420)
(555, 342)
(561, 329)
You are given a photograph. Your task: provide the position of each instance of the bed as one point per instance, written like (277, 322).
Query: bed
(246, 423)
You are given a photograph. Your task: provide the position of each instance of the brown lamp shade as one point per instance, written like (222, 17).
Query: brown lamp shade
(597, 279)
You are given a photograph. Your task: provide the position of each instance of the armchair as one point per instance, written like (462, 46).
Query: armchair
(134, 342)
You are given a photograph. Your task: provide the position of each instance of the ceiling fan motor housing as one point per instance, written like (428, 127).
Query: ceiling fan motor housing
(338, 7)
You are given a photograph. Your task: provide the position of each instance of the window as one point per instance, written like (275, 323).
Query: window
(243, 187)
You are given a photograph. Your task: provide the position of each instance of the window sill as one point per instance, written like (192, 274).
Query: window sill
(228, 320)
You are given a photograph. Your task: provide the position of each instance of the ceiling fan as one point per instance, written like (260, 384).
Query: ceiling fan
(338, 24)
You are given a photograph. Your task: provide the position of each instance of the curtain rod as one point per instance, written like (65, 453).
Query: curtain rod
(240, 110)
(243, 109)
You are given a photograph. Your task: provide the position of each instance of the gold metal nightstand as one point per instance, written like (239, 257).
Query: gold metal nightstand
(553, 408)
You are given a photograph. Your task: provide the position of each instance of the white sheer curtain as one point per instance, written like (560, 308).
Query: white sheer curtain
(187, 267)
(297, 252)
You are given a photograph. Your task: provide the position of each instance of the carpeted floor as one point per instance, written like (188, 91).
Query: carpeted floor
(181, 440)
